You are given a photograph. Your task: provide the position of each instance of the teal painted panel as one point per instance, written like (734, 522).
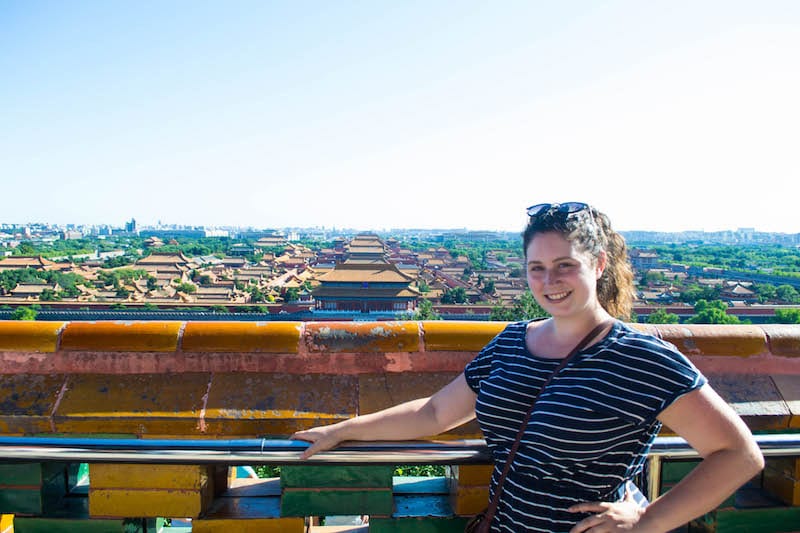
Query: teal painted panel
(336, 476)
(417, 506)
(420, 485)
(297, 502)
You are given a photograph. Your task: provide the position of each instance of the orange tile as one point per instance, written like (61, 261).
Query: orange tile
(122, 503)
(270, 337)
(471, 475)
(788, 386)
(27, 402)
(7, 523)
(29, 336)
(361, 337)
(249, 525)
(144, 476)
(780, 478)
(163, 404)
(441, 335)
(468, 500)
(379, 391)
(712, 339)
(121, 336)
(755, 398)
(277, 404)
(783, 339)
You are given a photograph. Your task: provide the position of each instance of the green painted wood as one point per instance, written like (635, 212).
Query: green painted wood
(417, 525)
(29, 474)
(29, 498)
(766, 520)
(674, 471)
(71, 525)
(21, 501)
(336, 476)
(321, 502)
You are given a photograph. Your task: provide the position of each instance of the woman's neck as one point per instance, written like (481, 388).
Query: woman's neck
(565, 330)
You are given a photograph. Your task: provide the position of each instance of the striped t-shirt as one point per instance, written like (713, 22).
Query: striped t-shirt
(591, 429)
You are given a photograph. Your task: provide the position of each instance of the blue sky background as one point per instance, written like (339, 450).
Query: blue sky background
(668, 115)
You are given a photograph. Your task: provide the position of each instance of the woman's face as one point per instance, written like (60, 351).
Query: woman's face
(562, 279)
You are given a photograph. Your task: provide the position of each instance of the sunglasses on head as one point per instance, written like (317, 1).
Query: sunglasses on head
(566, 208)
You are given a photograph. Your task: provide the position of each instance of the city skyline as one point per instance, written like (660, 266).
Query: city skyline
(131, 227)
(669, 117)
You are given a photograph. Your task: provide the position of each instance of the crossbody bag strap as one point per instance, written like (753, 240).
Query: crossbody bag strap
(490, 511)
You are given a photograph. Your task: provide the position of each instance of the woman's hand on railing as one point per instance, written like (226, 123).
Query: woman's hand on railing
(321, 438)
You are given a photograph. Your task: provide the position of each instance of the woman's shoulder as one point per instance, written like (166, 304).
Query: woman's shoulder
(630, 340)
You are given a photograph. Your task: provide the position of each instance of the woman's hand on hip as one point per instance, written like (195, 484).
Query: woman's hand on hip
(609, 516)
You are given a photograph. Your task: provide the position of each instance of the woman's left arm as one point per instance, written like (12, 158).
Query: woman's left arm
(731, 457)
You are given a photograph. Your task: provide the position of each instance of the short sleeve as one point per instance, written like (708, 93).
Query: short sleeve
(682, 375)
(631, 375)
(655, 375)
(478, 369)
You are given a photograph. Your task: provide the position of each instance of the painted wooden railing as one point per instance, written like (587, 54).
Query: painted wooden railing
(230, 380)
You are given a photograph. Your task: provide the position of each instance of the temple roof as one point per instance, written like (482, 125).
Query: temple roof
(365, 272)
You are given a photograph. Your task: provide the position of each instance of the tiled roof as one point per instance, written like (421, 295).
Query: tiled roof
(355, 272)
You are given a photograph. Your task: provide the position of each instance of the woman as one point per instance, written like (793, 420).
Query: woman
(593, 425)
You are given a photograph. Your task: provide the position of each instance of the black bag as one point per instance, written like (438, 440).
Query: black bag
(480, 522)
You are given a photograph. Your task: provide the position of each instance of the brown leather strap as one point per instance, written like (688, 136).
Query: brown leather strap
(492, 509)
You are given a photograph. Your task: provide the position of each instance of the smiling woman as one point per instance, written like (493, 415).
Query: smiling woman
(570, 433)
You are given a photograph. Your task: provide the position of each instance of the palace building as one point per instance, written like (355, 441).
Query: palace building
(365, 281)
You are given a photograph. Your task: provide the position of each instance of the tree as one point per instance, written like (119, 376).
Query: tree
(457, 295)
(186, 288)
(660, 316)
(292, 294)
(525, 308)
(49, 295)
(425, 311)
(24, 313)
(788, 294)
(712, 312)
(766, 292)
(787, 316)
(488, 287)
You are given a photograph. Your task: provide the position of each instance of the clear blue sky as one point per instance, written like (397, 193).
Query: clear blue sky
(668, 115)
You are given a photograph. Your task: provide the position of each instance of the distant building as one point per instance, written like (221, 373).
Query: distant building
(16, 262)
(365, 281)
(130, 226)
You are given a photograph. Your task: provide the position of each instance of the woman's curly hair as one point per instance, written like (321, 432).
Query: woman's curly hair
(591, 232)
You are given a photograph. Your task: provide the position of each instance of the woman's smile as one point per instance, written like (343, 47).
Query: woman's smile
(557, 296)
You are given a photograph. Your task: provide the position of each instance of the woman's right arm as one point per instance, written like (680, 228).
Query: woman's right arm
(451, 406)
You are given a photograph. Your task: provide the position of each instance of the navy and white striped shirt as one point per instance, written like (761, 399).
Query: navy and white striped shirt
(591, 429)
